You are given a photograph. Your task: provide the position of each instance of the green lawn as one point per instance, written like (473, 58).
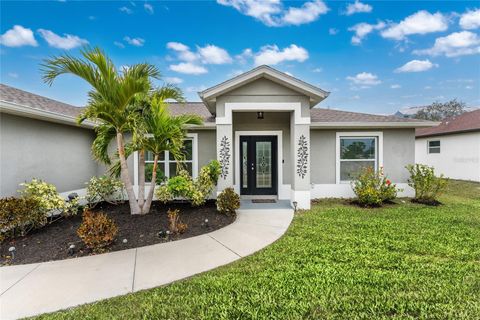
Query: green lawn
(337, 262)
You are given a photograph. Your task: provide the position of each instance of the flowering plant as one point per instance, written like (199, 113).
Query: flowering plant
(373, 188)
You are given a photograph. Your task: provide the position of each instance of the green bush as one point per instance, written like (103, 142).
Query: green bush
(97, 230)
(228, 201)
(148, 174)
(47, 197)
(18, 216)
(427, 185)
(183, 186)
(104, 188)
(372, 188)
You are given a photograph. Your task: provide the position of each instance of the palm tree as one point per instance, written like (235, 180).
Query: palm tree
(158, 132)
(110, 99)
(165, 133)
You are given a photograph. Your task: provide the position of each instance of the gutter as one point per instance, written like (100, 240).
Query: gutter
(29, 112)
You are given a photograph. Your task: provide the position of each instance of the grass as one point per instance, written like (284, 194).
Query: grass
(336, 262)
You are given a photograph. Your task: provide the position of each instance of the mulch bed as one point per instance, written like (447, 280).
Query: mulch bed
(52, 242)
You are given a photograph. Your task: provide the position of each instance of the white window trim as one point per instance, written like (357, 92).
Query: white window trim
(194, 137)
(439, 146)
(368, 134)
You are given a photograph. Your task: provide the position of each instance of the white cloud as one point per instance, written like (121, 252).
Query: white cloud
(317, 70)
(395, 86)
(66, 42)
(421, 22)
(333, 31)
(416, 66)
(18, 36)
(211, 54)
(188, 68)
(273, 14)
(119, 44)
(244, 56)
(468, 87)
(196, 89)
(13, 75)
(137, 42)
(470, 19)
(358, 7)
(427, 87)
(454, 45)
(308, 12)
(148, 8)
(173, 80)
(126, 10)
(363, 29)
(365, 79)
(272, 55)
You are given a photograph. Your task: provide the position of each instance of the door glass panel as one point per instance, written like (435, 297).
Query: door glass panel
(244, 165)
(264, 164)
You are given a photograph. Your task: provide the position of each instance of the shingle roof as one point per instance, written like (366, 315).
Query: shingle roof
(318, 115)
(468, 121)
(27, 99)
(330, 115)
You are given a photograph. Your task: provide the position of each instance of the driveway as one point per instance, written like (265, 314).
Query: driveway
(27, 290)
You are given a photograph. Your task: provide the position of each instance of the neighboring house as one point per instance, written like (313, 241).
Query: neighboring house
(261, 125)
(453, 147)
(410, 112)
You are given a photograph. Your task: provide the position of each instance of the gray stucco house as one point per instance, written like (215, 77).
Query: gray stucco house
(262, 126)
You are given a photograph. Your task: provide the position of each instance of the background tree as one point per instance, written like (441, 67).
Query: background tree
(439, 111)
(110, 99)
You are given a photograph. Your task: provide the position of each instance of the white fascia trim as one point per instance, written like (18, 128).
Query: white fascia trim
(255, 74)
(236, 160)
(371, 125)
(377, 134)
(296, 107)
(26, 111)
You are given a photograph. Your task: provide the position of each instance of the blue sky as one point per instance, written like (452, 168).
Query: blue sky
(373, 56)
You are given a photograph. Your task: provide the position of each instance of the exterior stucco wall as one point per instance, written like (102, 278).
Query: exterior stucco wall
(207, 146)
(273, 121)
(398, 151)
(59, 154)
(459, 156)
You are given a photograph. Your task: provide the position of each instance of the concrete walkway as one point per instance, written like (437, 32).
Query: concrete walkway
(27, 290)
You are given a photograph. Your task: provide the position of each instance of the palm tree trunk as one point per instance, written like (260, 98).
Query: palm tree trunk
(141, 178)
(148, 203)
(134, 208)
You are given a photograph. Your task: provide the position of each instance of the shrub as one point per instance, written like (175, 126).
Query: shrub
(18, 216)
(97, 230)
(148, 174)
(427, 186)
(47, 197)
(228, 201)
(372, 188)
(104, 188)
(183, 186)
(174, 224)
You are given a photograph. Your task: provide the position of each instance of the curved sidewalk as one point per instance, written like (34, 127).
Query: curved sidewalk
(27, 290)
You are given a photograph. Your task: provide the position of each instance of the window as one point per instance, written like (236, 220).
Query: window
(356, 151)
(168, 166)
(434, 146)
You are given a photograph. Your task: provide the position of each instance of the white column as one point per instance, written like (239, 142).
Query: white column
(225, 156)
(300, 153)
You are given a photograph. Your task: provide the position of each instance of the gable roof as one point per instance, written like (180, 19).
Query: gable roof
(466, 122)
(316, 94)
